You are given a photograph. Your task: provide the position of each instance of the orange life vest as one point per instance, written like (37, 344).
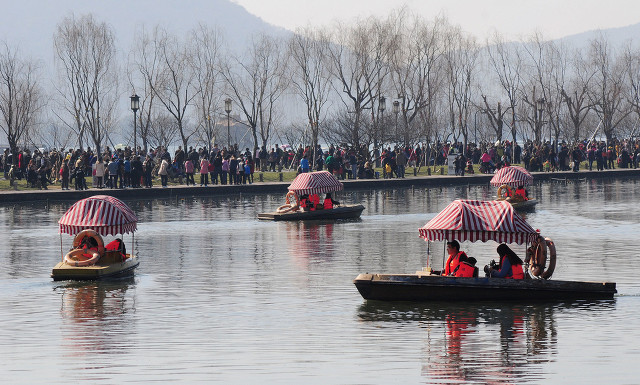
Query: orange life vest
(328, 204)
(465, 270)
(453, 262)
(516, 271)
(315, 200)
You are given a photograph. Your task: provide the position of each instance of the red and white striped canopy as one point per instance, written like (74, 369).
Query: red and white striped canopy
(315, 183)
(104, 214)
(513, 176)
(471, 220)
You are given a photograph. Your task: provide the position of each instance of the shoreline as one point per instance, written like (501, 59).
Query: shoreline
(172, 192)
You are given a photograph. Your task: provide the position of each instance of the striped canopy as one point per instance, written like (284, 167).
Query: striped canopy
(315, 183)
(470, 220)
(513, 176)
(104, 214)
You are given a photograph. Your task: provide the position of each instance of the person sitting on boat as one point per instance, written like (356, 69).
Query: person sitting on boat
(304, 202)
(329, 202)
(315, 201)
(521, 193)
(510, 265)
(117, 245)
(466, 268)
(455, 257)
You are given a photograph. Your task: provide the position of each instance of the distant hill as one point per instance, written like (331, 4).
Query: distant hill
(31, 24)
(617, 36)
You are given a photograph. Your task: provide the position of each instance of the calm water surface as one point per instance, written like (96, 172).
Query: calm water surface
(222, 297)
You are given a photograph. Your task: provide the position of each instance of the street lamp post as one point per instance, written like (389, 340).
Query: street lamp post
(382, 105)
(135, 105)
(540, 103)
(396, 110)
(227, 109)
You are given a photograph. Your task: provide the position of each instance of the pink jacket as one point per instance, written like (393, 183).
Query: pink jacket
(204, 166)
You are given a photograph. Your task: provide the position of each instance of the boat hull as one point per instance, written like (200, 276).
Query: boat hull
(416, 287)
(63, 271)
(525, 205)
(341, 212)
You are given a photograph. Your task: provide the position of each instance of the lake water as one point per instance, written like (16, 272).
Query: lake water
(221, 297)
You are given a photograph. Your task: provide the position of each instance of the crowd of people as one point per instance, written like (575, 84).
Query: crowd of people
(124, 168)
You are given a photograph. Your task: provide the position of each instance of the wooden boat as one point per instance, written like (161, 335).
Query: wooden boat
(110, 265)
(89, 258)
(529, 204)
(468, 220)
(426, 287)
(339, 212)
(310, 183)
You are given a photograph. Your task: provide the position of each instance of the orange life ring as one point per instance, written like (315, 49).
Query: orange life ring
(552, 259)
(89, 233)
(537, 258)
(286, 208)
(76, 258)
(295, 196)
(501, 190)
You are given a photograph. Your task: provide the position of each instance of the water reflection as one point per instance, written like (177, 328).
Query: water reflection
(96, 316)
(487, 343)
(310, 241)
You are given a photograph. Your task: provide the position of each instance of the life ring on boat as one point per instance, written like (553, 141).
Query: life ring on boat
(92, 234)
(552, 259)
(290, 195)
(537, 258)
(76, 257)
(501, 191)
(286, 208)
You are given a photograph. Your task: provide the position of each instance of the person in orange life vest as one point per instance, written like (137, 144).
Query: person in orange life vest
(467, 268)
(455, 257)
(522, 192)
(329, 202)
(304, 202)
(315, 200)
(510, 264)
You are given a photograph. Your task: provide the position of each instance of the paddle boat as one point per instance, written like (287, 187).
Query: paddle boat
(89, 258)
(508, 179)
(301, 205)
(469, 220)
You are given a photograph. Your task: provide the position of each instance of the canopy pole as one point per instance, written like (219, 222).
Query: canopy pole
(61, 252)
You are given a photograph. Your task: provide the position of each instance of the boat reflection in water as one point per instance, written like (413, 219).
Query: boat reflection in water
(486, 343)
(97, 317)
(309, 241)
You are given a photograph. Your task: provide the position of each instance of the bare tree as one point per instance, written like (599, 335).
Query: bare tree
(163, 130)
(607, 88)
(575, 95)
(21, 98)
(495, 115)
(144, 73)
(257, 81)
(86, 57)
(631, 63)
(417, 75)
(358, 57)
(206, 48)
(461, 60)
(174, 86)
(308, 49)
(506, 62)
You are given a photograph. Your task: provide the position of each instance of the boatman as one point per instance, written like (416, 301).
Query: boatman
(455, 257)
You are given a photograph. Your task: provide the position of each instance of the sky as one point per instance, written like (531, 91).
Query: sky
(512, 18)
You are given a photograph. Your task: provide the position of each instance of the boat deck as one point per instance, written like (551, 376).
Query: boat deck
(340, 212)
